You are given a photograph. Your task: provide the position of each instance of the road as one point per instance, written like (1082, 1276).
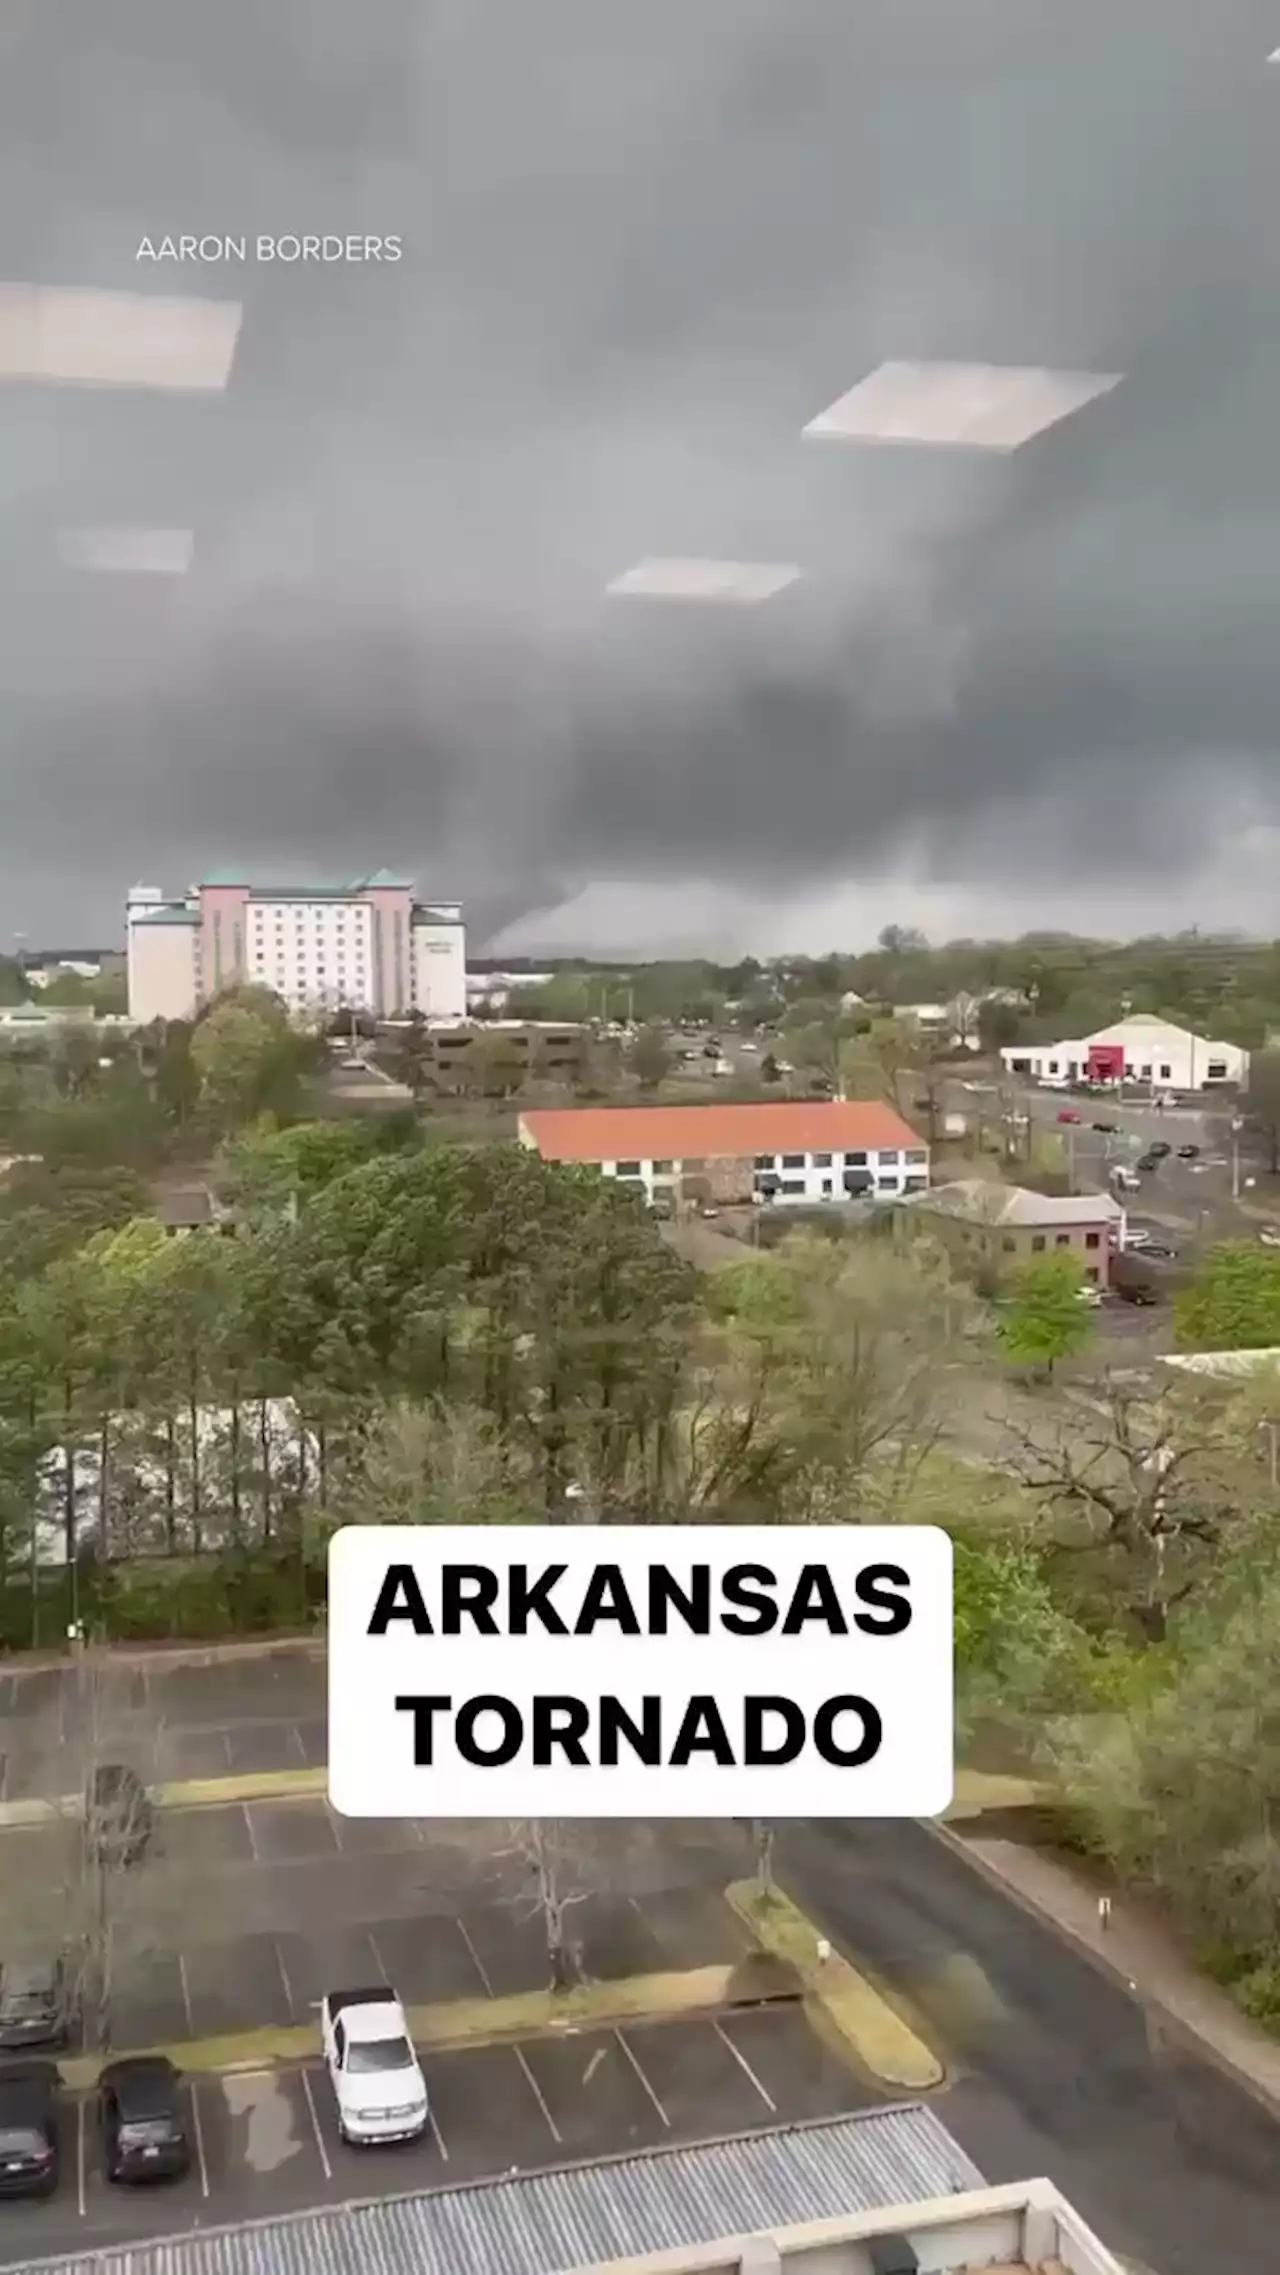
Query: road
(1190, 1197)
(1055, 2071)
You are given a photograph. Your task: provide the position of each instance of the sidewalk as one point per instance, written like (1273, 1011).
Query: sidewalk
(1138, 1950)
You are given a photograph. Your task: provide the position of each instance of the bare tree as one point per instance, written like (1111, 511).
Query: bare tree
(555, 1873)
(1149, 1481)
(762, 1839)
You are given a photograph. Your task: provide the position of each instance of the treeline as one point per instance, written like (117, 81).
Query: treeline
(1056, 984)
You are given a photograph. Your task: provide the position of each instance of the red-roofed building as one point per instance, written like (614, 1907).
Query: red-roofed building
(792, 1150)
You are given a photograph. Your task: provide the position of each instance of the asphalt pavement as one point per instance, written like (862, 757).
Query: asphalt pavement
(1055, 2071)
(265, 2143)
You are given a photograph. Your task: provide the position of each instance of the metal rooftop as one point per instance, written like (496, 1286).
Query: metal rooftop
(546, 2223)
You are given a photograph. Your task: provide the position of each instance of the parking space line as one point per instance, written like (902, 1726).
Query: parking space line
(225, 1736)
(378, 1960)
(315, 2125)
(248, 1826)
(539, 2096)
(434, 2126)
(284, 1977)
(743, 2064)
(296, 1735)
(476, 1961)
(198, 2129)
(626, 2048)
(80, 2125)
(334, 1822)
(186, 1995)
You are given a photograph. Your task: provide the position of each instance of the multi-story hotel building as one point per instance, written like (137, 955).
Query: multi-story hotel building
(366, 946)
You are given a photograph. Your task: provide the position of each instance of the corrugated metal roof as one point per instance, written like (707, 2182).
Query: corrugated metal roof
(548, 2223)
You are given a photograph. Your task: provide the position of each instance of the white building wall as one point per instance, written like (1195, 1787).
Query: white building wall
(161, 970)
(438, 969)
(801, 1178)
(315, 955)
(1166, 1057)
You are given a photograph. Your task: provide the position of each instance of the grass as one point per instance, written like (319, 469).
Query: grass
(881, 2043)
(457, 2023)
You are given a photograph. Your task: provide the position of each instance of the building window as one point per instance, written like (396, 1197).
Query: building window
(1009, 1244)
(628, 1169)
(1216, 1070)
(822, 1161)
(855, 1161)
(1093, 1240)
(889, 1160)
(663, 1168)
(1144, 1073)
(1091, 1275)
(1165, 1073)
(1053, 1066)
(1062, 1240)
(1037, 1241)
(766, 1160)
(792, 1185)
(792, 1161)
(917, 1160)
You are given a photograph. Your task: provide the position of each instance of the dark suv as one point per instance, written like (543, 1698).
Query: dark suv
(29, 2159)
(144, 2135)
(35, 2004)
(118, 1815)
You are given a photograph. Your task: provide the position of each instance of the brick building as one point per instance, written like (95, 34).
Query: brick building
(1003, 1227)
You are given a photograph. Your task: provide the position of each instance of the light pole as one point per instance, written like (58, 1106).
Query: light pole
(1236, 1126)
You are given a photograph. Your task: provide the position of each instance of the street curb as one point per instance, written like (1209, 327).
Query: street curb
(149, 1656)
(882, 2044)
(185, 1793)
(1103, 1964)
(454, 2025)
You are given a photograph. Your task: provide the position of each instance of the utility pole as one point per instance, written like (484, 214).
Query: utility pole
(1236, 1126)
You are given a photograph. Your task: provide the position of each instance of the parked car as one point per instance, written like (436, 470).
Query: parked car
(1270, 1236)
(119, 1815)
(1068, 1114)
(35, 2003)
(1159, 1149)
(1090, 1295)
(144, 2132)
(1147, 1161)
(377, 2082)
(1140, 1295)
(29, 2153)
(1107, 1129)
(1188, 1153)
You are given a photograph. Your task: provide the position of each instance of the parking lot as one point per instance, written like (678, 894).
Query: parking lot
(247, 1915)
(241, 1714)
(266, 2142)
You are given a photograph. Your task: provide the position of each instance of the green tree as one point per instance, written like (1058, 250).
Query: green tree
(266, 1168)
(1233, 1302)
(1044, 1319)
(249, 1060)
(649, 1057)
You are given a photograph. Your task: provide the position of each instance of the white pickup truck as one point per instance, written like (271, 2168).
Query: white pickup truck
(377, 2083)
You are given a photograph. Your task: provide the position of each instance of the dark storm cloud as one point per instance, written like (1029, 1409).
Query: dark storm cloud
(642, 247)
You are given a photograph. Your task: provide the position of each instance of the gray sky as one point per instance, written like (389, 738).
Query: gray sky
(642, 246)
